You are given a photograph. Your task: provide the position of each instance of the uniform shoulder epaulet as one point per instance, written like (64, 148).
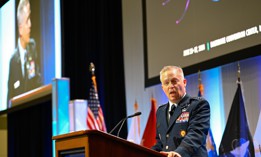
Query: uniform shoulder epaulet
(161, 106)
(16, 55)
(198, 98)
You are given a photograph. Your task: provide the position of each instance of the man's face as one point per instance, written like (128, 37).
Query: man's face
(25, 26)
(173, 85)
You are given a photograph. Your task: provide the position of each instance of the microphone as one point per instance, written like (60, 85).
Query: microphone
(122, 122)
(133, 115)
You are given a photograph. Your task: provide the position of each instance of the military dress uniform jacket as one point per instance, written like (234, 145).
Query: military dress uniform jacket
(17, 83)
(186, 131)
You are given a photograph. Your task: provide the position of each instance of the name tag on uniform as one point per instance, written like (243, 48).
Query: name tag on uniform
(184, 117)
(16, 84)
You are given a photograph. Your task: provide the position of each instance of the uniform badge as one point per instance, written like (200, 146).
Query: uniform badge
(16, 84)
(30, 66)
(182, 133)
(185, 108)
(184, 117)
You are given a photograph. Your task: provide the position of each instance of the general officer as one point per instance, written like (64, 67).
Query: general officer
(183, 122)
(24, 71)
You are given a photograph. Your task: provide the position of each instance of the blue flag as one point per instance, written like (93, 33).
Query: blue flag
(210, 144)
(237, 139)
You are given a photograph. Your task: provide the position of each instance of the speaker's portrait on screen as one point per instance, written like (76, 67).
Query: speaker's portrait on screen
(24, 70)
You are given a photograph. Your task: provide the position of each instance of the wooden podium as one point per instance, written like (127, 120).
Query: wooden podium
(93, 143)
(34, 117)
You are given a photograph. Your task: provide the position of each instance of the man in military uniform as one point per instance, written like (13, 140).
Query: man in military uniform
(24, 72)
(183, 122)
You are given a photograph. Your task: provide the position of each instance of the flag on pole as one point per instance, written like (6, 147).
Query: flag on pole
(95, 119)
(134, 132)
(200, 86)
(149, 135)
(210, 143)
(237, 139)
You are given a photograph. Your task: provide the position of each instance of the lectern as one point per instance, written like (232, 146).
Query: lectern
(35, 116)
(94, 143)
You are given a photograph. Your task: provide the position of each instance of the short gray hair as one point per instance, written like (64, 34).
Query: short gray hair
(169, 67)
(20, 10)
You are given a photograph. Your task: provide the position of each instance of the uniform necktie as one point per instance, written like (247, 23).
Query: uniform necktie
(25, 64)
(173, 107)
(171, 112)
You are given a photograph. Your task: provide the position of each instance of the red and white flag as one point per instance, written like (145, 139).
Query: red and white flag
(134, 131)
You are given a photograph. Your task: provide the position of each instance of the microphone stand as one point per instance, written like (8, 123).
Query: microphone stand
(121, 126)
(122, 122)
(116, 126)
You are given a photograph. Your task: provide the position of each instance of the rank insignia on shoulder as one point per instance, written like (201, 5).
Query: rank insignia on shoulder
(198, 98)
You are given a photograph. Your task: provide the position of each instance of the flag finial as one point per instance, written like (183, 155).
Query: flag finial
(238, 72)
(136, 106)
(92, 68)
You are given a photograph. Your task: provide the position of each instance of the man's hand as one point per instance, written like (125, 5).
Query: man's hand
(171, 154)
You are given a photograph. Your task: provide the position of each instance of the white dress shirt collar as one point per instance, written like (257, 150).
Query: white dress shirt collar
(176, 104)
(22, 53)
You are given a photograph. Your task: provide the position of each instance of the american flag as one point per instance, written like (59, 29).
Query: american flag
(95, 119)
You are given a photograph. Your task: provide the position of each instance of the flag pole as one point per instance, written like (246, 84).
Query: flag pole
(92, 70)
(98, 122)
(136, 106)
(200, 85)
(238, 72)
(199, 77)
